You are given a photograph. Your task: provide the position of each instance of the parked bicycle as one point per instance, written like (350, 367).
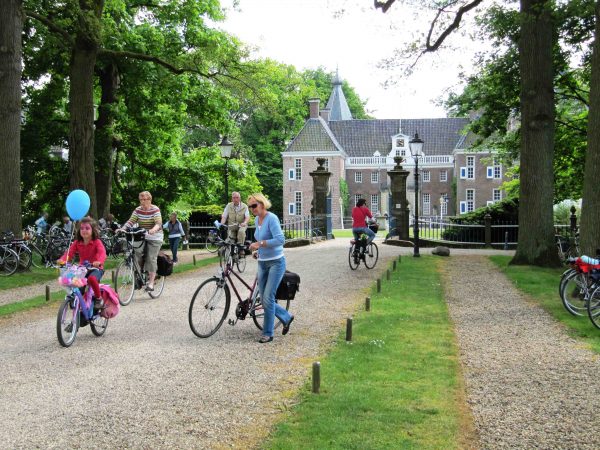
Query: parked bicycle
(19, 246)
(9, 261)
(567, 247)
(77, 309)
(130, 276)
(212, 239)
(577, 285)
(211, 302)
(361, 251)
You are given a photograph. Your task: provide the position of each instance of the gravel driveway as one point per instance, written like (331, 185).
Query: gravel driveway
(150, 383)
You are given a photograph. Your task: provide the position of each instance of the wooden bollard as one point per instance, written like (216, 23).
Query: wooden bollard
(113, 276)
(399, 258)
(394, 266)
(349, 329)
(387, 275)
(47, 293)
(378, 284)
(194, 257)
(368, 304)
(316, 377)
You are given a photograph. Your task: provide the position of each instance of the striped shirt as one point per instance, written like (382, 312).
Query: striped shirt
(147, 219)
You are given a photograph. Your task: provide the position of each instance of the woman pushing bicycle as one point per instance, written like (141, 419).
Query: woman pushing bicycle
(89, 248)
(148, 216)
(271, 264)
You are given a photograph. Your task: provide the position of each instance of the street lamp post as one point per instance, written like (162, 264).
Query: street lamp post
(226, 147)
(416, 149)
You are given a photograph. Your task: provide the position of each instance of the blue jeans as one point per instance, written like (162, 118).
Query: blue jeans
(270, 274)
(358, 231)
(174, 244)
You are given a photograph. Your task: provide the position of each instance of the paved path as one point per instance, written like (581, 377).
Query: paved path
(150, 383)
(528, 383)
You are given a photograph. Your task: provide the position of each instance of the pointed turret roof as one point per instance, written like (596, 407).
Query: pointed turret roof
(337, 104)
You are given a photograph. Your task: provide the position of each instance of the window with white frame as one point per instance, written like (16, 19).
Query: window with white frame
(298, 202)
(470, 200)
(400, 152)
(470, 167)
(443, 175)
(426, 204)
(357, 197)
(426, 176)
(358, 177)
(374, 177)
(326, 164)
(298, 167)
(495, 171)
(496, 195)
(375, 203)
(444, 204)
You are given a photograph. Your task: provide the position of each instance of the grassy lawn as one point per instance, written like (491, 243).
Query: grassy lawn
(397, 385)
(40, 300)
(541, 285)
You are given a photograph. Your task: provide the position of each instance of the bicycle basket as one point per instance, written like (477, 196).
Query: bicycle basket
(72, 276)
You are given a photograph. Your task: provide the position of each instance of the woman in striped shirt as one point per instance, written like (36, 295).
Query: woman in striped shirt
(148, 216)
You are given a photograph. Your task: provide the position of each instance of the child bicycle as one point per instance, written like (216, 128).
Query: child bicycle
(211, 301)
(77, 309)
(130, 276)
(361, 251)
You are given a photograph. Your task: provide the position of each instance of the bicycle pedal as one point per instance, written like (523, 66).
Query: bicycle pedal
(231, 322)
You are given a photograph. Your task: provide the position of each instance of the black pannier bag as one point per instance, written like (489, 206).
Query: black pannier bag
(290, 284)
(165, 264)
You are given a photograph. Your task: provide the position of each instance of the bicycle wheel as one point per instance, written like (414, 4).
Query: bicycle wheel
(563, 279)
(125, 282)
(258, 313)
(209, 307)
(98, 325)
(241, 261)
(37, 256)
(224, 255)
(353, 258)
(573, 293)
(211, 242)
(24, 256)
(159, 285)
(371, 255)
(9, 261)
(593, 307)
(67, 322)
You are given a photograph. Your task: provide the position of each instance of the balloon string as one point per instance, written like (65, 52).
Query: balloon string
(71, 239)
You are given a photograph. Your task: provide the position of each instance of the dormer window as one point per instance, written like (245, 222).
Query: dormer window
(399, 146)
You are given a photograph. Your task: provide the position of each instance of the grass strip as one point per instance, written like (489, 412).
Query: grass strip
(541, 285)
(40, 300)
(396, 385)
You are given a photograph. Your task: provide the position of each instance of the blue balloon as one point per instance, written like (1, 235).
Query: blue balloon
(78, 204)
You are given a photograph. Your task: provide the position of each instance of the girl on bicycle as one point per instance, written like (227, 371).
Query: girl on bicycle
(89, 248)
(271, 264)
(359, 221)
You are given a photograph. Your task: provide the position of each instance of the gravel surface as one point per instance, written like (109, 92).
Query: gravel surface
(529, 385)
(150, 383)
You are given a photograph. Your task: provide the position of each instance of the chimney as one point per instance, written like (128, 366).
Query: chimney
(325, 114)
(314, 108)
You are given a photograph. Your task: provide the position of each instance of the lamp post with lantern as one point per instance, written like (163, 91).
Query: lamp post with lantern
(416, 151)
(226, 148)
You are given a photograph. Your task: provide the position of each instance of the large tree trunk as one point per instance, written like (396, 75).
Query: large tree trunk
(536, 227)
(590, 211)
(81, 100)
(11, 27)
(106, 143)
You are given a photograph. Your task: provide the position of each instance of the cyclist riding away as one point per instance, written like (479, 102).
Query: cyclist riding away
(89, 248)
(360, 213)
(236, 217)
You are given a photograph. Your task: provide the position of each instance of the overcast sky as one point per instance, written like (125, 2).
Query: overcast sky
(313, 33)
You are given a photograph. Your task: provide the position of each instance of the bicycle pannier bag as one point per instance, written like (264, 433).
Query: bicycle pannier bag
(165, 264)
(290, 284)
(111, 302)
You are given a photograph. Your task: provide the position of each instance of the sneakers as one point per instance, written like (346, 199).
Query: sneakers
(286, 328)
(98, 303)
(149, 288)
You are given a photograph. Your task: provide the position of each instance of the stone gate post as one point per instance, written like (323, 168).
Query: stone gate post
(399, 209)
(319, 202)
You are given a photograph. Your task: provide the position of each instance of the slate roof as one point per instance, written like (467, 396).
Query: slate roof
(337, 104)
(364, 137)
(315, 136)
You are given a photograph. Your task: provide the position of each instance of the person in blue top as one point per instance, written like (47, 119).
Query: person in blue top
(42, 224)
(271, 264)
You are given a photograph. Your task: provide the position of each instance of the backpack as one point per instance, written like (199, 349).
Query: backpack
(290, 284)
(165, 264)
(111, 302)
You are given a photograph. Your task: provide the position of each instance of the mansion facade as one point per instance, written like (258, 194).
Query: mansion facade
(453, 180)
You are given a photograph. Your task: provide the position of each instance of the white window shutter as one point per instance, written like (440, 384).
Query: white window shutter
(463, 173)
(463, 207)
(291, 209)
(490, 203)
(291, 174)
(490, 172)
